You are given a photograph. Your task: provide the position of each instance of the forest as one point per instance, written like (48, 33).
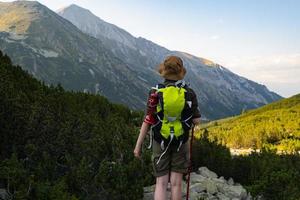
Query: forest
(64, 145)
(58, 145)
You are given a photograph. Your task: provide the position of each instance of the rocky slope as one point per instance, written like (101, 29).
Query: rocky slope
(108, 60)
(205, 185)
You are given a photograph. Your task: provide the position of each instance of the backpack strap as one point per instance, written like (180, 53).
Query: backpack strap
(181, 84)
(158, 86)
(187, 113)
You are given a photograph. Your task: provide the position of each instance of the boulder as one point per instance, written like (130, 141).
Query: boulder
(222, 178)
(219, 180)
(193, 196)
(230, 181)
(211, 186)
(222, 196)
(196, 178)
(213, 198)
(197, 188)
(207, 173)
(235, 191)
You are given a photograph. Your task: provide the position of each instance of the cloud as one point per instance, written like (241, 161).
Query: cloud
(279, 72)
(282, 63)
(214, 37)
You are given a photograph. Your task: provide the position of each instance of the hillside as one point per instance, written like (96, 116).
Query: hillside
(61, 145)
(276, 124)
(100, 58)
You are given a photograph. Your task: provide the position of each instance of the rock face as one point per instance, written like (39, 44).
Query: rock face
(205, 184)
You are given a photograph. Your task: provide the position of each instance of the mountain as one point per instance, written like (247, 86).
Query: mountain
(99, 57)
(276, 124)
(54, 50)
(220, 92)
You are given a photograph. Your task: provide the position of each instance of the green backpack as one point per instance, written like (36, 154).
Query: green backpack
(173, 114)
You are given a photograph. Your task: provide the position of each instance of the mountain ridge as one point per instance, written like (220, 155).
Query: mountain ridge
(57, 51)
(159, 52)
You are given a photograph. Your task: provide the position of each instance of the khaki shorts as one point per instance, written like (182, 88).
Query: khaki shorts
(172, 160)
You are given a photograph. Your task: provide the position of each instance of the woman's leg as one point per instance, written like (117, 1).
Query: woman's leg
(161, 187)
(176, 181)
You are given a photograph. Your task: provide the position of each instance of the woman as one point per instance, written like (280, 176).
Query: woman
(171, 162)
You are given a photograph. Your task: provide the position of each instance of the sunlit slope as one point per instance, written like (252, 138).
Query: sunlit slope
(16, 19)
(276, 124)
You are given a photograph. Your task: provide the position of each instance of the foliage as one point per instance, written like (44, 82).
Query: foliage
(65, 145)
(274, 129)
(276, 124)
(273, 176)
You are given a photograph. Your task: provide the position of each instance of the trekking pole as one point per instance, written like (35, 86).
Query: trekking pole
(190, 166)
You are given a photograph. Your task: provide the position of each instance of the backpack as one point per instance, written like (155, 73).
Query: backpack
(173, 114)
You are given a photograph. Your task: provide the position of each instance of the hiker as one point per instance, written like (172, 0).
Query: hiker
(172, 110)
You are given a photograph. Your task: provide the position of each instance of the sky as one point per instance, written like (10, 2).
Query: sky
(256, 39)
